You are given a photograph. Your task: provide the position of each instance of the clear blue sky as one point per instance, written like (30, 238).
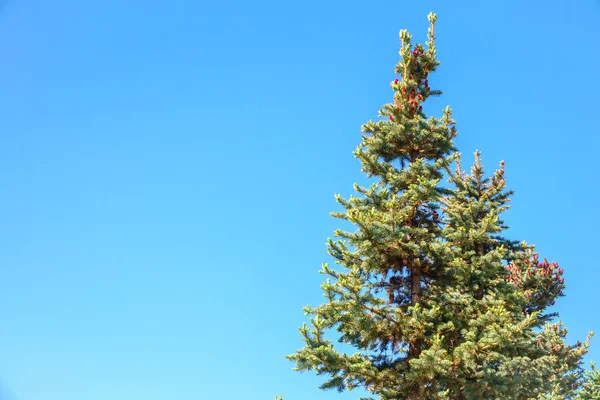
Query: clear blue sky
(168, 169)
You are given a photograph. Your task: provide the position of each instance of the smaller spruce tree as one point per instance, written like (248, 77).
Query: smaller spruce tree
(590, 388)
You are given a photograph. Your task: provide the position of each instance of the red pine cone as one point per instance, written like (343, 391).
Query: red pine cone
(391, 118)
(396, 81)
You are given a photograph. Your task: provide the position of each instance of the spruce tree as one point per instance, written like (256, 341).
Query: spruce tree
(590, 388)
(436, 301)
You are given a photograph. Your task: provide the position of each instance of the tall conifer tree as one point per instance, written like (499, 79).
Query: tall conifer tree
(437, 303)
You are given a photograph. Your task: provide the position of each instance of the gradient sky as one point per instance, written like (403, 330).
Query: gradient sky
(168, 169)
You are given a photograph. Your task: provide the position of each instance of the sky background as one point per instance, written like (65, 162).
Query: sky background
(167, 170)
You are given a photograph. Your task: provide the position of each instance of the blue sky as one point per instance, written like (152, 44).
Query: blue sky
(168, 169)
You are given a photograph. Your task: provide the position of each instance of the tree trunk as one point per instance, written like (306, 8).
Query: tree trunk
(415, 281)
(415, 348)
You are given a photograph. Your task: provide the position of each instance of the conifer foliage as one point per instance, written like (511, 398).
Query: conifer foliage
(590, 389)
(437, 303)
